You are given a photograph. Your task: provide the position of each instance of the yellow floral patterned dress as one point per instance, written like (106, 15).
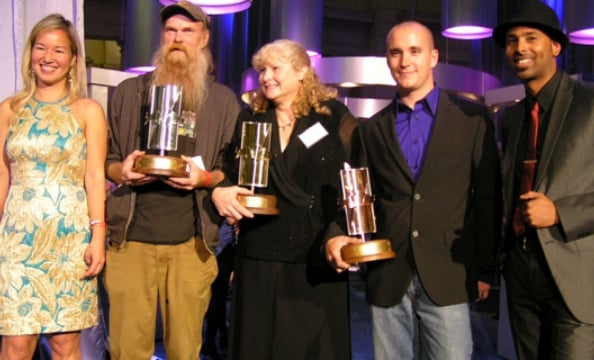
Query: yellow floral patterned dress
(44, 230)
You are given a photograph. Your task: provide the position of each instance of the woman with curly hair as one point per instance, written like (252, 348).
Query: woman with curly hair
(287, 302)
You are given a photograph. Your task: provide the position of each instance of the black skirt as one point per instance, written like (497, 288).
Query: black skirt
(282, 310)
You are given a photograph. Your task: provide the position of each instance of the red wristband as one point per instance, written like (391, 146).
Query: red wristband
(208, 178)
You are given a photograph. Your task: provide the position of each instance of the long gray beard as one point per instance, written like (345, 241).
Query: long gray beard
(191, 75)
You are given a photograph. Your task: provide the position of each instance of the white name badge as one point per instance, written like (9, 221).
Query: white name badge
(312, 135)
(198, 161)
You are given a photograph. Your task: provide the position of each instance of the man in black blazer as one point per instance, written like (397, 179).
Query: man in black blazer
(549, 269)
(434, 169)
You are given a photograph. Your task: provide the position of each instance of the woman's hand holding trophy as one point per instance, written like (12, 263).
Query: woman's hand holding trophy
(237, 202)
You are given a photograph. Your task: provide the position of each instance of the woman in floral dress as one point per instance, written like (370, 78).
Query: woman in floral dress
(52, 192)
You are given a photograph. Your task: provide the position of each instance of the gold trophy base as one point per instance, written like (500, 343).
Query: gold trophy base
(157, 165)
(368, 251)
(259, 204)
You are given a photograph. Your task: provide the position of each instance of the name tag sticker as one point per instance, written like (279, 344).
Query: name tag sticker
(312, 135)
(198, 161)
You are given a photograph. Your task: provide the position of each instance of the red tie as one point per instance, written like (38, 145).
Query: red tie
(528, 167)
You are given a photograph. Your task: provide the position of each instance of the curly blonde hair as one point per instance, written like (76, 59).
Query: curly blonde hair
(77, 84)
(311, 93)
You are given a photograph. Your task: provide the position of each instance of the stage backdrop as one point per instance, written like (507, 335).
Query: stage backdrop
(16, 20)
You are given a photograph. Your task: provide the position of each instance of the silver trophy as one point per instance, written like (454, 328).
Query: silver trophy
(162, 125)
(360, 216)
(254, 161)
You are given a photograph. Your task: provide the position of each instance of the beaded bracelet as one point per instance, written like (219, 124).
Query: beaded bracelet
(97, 223)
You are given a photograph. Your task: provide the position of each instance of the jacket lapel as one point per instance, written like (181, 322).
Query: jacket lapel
(441, 127)
(557, 118)
(516, 118)
(387, 131)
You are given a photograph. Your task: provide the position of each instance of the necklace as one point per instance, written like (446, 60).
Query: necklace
(51, 102)
(287, 125)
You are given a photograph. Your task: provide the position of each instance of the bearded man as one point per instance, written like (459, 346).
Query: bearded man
(162, 231)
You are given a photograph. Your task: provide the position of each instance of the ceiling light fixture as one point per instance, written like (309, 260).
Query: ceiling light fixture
(468, 19)
(579, 22)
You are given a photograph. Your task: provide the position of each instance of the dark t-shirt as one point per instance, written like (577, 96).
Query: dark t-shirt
(164, 215)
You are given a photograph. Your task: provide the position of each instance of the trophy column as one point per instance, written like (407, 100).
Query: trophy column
(360, 216)
(162, 124)
(254, 160)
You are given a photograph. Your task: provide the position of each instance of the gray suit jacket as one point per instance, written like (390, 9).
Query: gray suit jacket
(447, 223)
(565, 174)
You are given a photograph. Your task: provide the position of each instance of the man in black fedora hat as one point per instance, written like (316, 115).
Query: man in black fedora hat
(548, 141)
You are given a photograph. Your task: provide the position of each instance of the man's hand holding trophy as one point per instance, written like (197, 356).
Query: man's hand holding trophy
(161, 127)
(357, 201)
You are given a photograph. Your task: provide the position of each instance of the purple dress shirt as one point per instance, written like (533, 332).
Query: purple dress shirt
(413, 128)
